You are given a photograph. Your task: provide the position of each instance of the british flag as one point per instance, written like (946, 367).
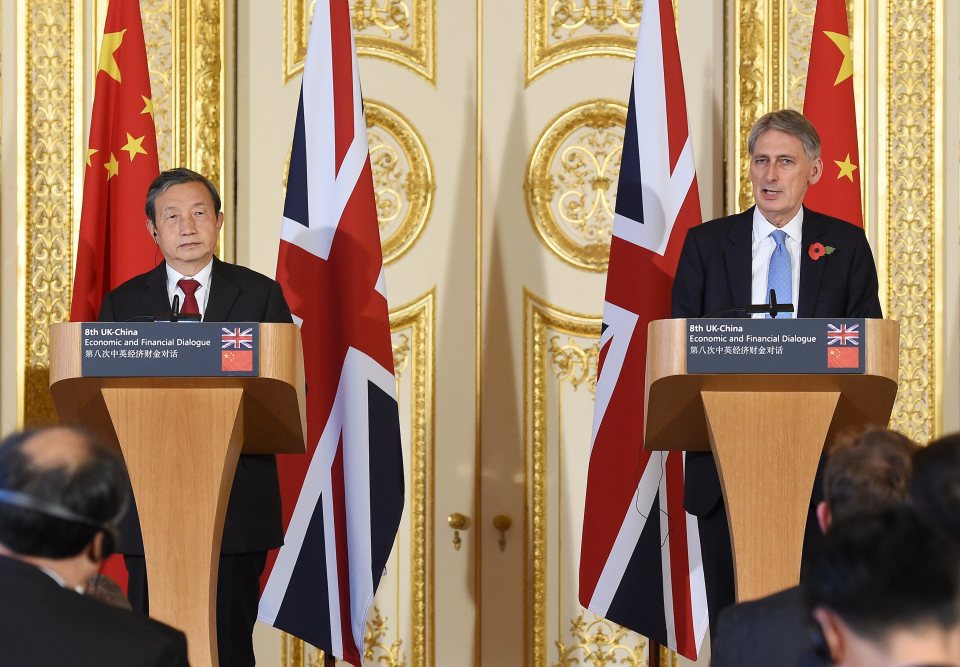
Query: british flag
(236, 339)
(640, 562)
(845, 334)
(342, 529)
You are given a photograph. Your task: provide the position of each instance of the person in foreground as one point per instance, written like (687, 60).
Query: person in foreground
(884, 591)
(866, 475)
(184, 219)
(935, 488)
(820, 264)
(61, 495)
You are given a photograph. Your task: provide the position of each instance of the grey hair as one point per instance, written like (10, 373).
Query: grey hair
(789, 122)
(177, 176)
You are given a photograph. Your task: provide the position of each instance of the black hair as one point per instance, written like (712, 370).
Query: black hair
(93, 490)
(935, 487)
(177, 176)
(883, 571)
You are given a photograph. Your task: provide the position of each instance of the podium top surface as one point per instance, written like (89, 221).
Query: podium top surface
(274, 415)
(673, 406)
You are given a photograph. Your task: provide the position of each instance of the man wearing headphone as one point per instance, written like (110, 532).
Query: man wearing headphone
(61, 496)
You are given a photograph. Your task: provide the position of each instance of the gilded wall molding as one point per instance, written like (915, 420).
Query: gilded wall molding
(402, 178)
(912, 204)
(48, 115)
(405, 596)
(398, 31)
(561, 31)
(571, 182)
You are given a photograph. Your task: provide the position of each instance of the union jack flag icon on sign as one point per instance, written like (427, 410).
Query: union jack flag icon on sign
(237, 339)
(843, 335)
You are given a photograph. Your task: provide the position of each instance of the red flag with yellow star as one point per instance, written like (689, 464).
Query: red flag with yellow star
(114, 245)
(830, 106)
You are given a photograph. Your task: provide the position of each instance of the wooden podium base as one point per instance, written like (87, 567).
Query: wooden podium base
(181, 539)
(782, 435)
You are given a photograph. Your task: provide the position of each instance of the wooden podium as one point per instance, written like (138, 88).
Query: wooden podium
(181, 438)
(767, 433)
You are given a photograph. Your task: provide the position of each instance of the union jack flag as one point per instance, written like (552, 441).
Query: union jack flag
(843, 334)
(342, 529)
(236, 339)
(644, 574)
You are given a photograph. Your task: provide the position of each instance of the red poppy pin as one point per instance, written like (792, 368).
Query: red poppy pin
(818, 250)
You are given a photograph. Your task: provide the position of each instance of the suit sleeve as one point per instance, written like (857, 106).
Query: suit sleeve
(173, 653)
(277, 309)
(724, 644)
(686, 299)
(863, 299)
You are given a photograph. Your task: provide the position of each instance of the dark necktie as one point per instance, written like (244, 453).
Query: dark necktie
(189, 287)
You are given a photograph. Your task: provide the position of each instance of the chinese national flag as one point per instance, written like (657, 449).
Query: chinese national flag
(843, 357)
(121, 162)
(829, 105)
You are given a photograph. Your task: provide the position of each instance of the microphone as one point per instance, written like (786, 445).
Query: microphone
(778, 308)
(771, 308)
(175, 308)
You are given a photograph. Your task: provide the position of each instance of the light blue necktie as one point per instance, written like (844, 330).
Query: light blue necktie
(780, 277)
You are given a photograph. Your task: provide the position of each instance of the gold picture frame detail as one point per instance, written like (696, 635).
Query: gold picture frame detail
(413, 21)
(402, 177)
(571, 180)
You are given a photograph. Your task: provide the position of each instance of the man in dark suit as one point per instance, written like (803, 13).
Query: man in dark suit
(867, 475)
(184, 218)
(61, 495)
(820, 264)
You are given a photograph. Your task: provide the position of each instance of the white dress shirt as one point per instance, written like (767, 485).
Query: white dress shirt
(202, 294)
(763, 247)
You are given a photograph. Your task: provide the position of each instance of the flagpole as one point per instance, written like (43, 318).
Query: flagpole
(654, 659)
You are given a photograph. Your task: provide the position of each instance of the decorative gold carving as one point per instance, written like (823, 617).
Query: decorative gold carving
(207, 89)
(412, 329)
(575, 364)
(750, 89)
(374, 643)
(49, 144)
(560, 31)
(399, 31)
(798, 33)
(571, 182)
(158, 34)
(914, 132)
(402, 178)
(401, 354)
(600, 643)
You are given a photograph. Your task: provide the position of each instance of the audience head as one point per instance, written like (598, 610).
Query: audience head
(61, 496)
(866, 474)
(935, 488)
(885, 586)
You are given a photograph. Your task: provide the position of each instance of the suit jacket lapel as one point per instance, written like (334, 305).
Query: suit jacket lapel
(223, 293)
(810, 271)
(738, 257)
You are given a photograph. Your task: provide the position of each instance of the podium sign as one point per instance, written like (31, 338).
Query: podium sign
(782, 345)
(170, 349)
